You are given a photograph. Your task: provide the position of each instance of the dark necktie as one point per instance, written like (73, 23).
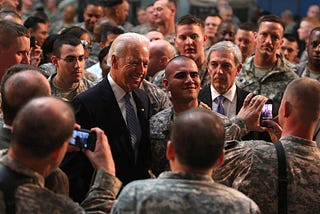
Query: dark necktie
(132, 123)
(220, 108)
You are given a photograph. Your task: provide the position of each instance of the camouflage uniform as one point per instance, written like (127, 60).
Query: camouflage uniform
(272, 85)
(35, 198)
(159, 100)
(84, 85)
(160, 127)
(252, 168)
(303, 70)
(204, 74)
(158, 78)
(181, 192)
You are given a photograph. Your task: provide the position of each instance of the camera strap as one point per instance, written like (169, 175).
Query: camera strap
(282, 179)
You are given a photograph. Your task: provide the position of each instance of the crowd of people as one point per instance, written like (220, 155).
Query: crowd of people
(174, 105)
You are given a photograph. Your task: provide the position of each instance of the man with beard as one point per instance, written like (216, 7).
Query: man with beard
(190, 40)
(266, 72)
(113, 105)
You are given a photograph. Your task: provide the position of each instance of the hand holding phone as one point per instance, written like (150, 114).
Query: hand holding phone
(84, 139)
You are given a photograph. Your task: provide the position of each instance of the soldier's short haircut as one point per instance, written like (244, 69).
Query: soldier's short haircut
(64, 40)
(190, 20)
(9, 31)
(198, 138)
(42, 126)
(271, 18)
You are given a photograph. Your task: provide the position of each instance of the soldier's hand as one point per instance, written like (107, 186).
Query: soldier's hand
(274, 130)
(250, 112)
(101, 158)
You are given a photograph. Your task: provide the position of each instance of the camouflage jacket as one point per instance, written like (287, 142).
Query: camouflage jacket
(271, 85)
(252, 168)
(181, 192)
(303, 70)
(204, 74)
(160, 126)
(68, 95)
(35, 198)
(159, 99)
(158, 78)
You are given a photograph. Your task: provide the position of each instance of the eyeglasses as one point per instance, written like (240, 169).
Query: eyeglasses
(86, 44)
(72, 59)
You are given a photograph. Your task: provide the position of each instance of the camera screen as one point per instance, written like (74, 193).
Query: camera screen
(80, 139)
(266, 112)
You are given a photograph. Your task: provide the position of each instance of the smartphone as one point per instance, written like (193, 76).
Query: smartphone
(32, 42)
(266, 113)
(84, 139)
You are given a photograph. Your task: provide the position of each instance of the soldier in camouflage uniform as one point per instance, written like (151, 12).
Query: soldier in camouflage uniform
(37, 149)
(252, 166)
(195, 148)
(190, 41)
(266, 72)
(183, 82)
(311, 67)
(69, 59)
(159, 99)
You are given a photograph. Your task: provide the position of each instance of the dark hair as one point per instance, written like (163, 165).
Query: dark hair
(75, 31)
(64, 40)
(189, 20)
(106, 30)
(33, 21)
(10, 30)
(248, 26)
(290, 37)
(198, 137)
(271, 18)
(103, 52)
(47, 47)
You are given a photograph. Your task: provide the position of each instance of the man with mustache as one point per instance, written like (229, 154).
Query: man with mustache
(107, 106)
(266, 72)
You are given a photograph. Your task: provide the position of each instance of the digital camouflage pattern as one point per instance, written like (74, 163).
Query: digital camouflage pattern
(271, 85)
(181, 192)
(159, 99)
(68, 95)
(204, 74)
(35, 198)
(158, 78)
(252, 168)
(304, 71)
(160, 126)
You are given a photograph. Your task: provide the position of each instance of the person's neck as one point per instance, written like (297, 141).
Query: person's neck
(210, 41)
(304, 131)
(200, 60)
(183, 168)
(181, 107)
(37, 165)
(264, 62)
(62, 84)
(167, 29)
(315, 69)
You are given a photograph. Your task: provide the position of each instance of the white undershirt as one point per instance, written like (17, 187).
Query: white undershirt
(229, 103)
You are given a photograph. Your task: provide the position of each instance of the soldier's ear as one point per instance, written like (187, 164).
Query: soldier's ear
(220, 160)
(165, 84)
(170, 154)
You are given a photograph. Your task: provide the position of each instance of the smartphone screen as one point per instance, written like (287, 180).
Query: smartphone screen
(83, 138)
(267, 112)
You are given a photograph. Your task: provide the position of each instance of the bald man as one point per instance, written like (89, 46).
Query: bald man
(252, 166)
(161, 51)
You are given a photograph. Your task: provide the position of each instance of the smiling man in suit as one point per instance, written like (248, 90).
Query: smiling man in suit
(222, 95)
(107, 106)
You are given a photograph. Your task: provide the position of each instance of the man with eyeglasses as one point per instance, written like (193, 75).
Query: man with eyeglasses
(69, 60)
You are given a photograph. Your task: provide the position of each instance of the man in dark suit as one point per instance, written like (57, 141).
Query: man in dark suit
(105, 106)
(224, 64)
